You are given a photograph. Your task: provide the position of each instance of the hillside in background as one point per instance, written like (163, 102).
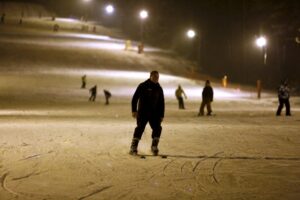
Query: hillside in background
(226, 32)
(34, 23)
(37, 16)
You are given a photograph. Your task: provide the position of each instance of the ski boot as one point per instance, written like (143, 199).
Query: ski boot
(154, 148)
(134, 145)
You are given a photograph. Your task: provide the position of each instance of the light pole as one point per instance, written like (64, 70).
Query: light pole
(191, 34)
(86, 9)
(261, 42)
(143, 16)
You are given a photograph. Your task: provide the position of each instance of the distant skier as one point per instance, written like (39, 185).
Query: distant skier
(148, 105)
(141, 48)
(179, 93)
(207, 98)
(83, 81)
(55, 27)
(107, 95)
(3, 18)
(284, 99)
(93, 92)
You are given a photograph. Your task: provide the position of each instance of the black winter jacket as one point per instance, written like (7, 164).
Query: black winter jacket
(207, 94)
(150, 99)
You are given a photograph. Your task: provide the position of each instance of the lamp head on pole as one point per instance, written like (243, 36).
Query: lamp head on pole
(261, 42)
(143, 14)
(109, 9)
(191, 33)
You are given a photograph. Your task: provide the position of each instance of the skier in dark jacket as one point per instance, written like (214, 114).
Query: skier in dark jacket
(207, 98)
(83, 81)
(107, 95)
(284, 99)
(93, 92)
(2, 18)
(148, 105)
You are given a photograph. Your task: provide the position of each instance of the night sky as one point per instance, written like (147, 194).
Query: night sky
(226, 32)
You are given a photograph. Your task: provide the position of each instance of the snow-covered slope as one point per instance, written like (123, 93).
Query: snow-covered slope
(56, 145)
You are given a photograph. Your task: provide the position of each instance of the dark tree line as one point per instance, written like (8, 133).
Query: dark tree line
(227, 30)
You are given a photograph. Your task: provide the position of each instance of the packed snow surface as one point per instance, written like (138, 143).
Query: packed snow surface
(56, 145)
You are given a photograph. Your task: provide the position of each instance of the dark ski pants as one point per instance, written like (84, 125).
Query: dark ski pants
(180, 103)
(208, 105)
(92, 97)
(286, 103)
(106, 100)
(155, 124)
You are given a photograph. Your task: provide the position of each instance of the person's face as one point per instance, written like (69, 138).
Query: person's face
(154, 78)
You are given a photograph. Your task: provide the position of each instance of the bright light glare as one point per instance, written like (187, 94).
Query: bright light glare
(102, 45)
(104, 42)
(261, 42)
(90, 36)
(130, 79)
(143, 14)
(130, 75)
(109, 9)
(69, 20)
(87, 1)
(191, 33)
